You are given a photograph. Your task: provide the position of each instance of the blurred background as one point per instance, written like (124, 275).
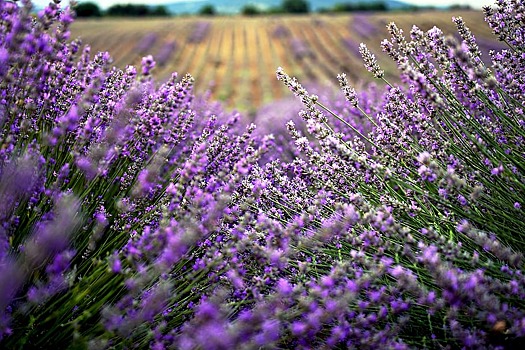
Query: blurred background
(233, 47)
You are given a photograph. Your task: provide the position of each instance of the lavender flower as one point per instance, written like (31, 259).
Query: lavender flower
(370, 62)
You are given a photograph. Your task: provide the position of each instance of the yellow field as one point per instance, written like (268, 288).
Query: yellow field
(237, 57)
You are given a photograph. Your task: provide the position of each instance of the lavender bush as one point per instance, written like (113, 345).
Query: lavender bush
(409, 235)
(110, 188)
(426, 207)
(143, 216)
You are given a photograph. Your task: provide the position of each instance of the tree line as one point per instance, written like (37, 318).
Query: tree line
(91, 9)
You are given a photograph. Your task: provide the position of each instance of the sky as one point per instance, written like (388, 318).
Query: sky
(106, 3)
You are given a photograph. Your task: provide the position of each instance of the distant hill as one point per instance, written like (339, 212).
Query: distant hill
(235, 6)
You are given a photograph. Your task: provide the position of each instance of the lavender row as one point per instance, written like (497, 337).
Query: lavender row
(300, 49)
(199, 32)
(166, 51)
(146, 43)
(362, 26)
(351, 45)
(280, 31)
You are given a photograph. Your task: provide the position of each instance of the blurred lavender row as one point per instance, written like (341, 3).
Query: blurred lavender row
(351, 45)
(165, 52)
(490, 44)
(280, 31)
(146, 43)
(301, 49)
(362, 26)
(200, 31)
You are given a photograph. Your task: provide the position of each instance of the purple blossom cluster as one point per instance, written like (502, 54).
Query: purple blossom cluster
(271, 118)
(137, 215)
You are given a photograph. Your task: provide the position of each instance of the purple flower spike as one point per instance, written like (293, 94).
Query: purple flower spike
(148, 63)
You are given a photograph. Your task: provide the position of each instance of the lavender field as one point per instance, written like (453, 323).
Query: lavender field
(138, 212)
(234, 58)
